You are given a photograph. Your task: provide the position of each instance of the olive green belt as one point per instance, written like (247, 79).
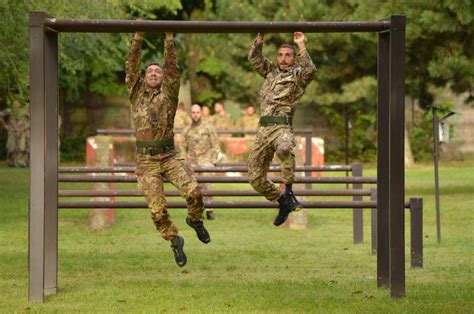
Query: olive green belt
(271, 120)
(155, 147)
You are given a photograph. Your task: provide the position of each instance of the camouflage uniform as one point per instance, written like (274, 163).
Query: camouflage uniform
(18, 140)
(201, 147)
(279, 95)
(182, 119)
(153, 112)
(248, 123)
(224, 122)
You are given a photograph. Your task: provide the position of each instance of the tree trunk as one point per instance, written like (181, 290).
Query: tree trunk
(408, 153)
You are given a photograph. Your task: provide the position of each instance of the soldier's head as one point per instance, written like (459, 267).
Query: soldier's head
(196, 113)
(205, 111)
(250, 110)
(286, 56)
(181, 106)
(219, 107)
(154, 75)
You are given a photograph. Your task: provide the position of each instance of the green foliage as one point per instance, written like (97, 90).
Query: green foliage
(421, 136)
(439, 42)
(73, 148)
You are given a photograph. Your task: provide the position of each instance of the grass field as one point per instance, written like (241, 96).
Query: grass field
(250, 265)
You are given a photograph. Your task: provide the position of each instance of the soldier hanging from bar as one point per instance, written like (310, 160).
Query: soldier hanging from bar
(154, 99)
(285, 83)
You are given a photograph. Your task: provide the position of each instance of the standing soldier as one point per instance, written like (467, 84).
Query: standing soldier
(205, 113)
(221, 119)
(201, 146)
(249, 121)
(284, 85)
(18, 139)
(182, 118)
(154, 98)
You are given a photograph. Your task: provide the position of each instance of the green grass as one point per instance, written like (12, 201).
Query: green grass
(250, 266)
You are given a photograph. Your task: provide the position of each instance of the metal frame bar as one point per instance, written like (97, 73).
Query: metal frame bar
(124, 26)
(42, 245)
(216, 179)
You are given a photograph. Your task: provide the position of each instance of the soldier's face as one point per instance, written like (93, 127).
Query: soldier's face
(196, 113)
(153, 76)
(205, 111)
(218, 107)
(285, 58)
(250, 111)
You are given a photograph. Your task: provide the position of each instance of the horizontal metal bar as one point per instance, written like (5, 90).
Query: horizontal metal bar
(209, 179)
(132, 132)
(242, 168)
(133, 193)
(218, 204)
(128, 26)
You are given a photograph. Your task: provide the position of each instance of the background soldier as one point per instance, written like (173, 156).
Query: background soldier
(284, 85)
(18, 139)
(201, 146)
(221, 119)
(205, 113)
(249, 121)
(154, 98)
(182, 117)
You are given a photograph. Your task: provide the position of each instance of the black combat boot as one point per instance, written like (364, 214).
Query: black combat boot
(177, 244)
(210, 215)
(287, 203)
(201, 232)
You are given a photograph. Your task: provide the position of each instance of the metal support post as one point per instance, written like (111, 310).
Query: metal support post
(357, 213)
(416, 232)
(397, 156)
(373, 222)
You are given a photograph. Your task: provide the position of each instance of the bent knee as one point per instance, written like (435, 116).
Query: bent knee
(283, 151)
(196, 193)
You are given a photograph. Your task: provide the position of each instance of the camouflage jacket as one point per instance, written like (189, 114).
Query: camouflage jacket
(224, 122)
(200, 144)
(153, 110)
(181, 119)
(18, 119)
(282, 89)
(248, 123)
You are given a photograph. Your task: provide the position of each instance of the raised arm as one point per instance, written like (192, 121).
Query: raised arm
(308, 69)
(171, 70)
(259, 63)
(132, 68)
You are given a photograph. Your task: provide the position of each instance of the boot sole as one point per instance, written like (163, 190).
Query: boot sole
(180, 248)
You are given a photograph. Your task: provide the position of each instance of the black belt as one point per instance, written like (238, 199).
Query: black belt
(155, 147)
(271, 120)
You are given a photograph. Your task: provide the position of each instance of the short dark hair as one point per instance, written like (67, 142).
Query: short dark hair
(289, 47)
(153, 63)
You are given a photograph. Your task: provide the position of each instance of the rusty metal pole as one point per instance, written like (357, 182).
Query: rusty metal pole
(36, 226)
(416, 232)
(383, 159)
(397, 156)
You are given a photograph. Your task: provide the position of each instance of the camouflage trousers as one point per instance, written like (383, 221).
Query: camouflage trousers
(151, 172)
(271, 140)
